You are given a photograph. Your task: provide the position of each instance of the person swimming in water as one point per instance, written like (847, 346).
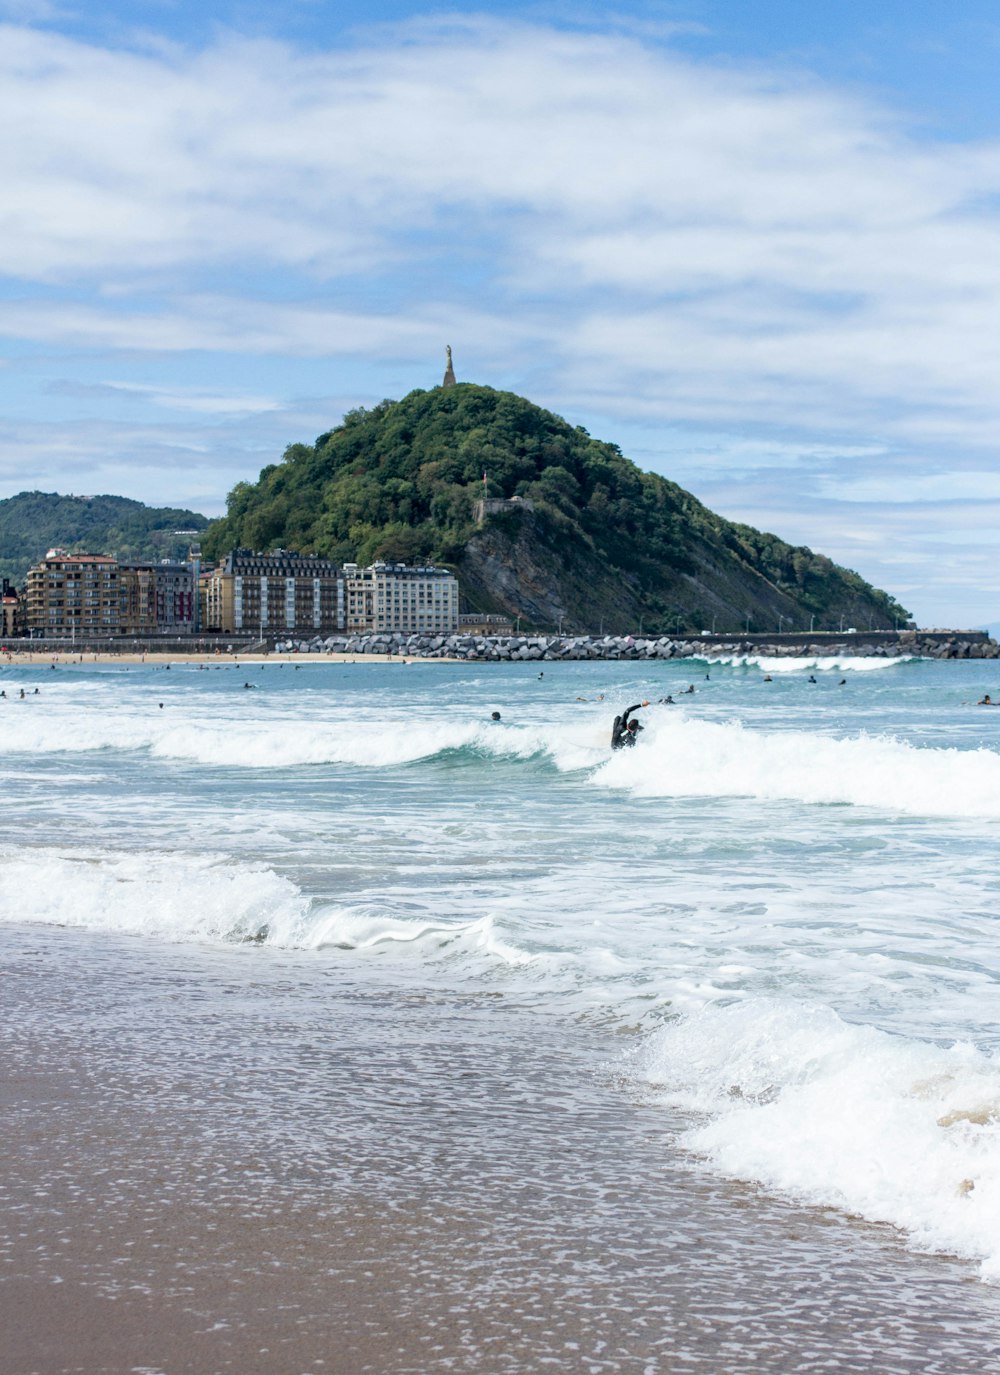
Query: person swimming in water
(625, 730)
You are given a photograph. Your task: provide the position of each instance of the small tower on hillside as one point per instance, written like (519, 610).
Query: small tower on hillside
(449, 372)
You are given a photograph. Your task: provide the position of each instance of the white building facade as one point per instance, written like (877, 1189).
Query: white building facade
(390, 597)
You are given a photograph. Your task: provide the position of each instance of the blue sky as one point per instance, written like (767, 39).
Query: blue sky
(757, 244)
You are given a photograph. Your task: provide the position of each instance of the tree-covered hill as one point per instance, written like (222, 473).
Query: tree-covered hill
(33, 522)
(605, 543)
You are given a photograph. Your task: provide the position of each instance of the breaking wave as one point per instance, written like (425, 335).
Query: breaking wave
(892, 1129)
(206, 897)
(679, 755)
(684, 757)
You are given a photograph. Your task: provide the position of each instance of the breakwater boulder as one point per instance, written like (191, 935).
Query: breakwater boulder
(930, 644)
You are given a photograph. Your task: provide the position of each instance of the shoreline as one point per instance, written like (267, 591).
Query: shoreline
(43, 658)
(210, 1211)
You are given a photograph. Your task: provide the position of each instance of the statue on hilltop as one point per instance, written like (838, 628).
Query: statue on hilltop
(449, 372)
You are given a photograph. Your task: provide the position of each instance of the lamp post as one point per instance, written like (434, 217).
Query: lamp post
(748, 623)
(812, 622)
(781, 620)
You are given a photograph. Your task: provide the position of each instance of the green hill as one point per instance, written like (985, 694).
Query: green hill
(605, 544)
(33, 522)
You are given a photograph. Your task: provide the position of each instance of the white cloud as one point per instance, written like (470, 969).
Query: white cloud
(167, 464)
(701, 242)
(233, 324)
(188, 399)
(901, 488)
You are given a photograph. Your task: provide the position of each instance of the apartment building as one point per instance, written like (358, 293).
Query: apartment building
(73, 594)
(174, 587)
(92, 594)
(156, 598)
(10, 610)
(137, 599)
(274, 593)
(396, 597)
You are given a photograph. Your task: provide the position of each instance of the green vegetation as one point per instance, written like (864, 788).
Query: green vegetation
(34, 522)
(399, 482)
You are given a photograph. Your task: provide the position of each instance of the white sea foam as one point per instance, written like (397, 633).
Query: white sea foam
(175, 896)
(260, 743)
(836, 663)
(283, 743)
(681, 756)
(207, 897)
(367, 930)
(895, 1130)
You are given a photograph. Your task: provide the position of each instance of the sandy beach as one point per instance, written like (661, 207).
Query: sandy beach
(154, 658)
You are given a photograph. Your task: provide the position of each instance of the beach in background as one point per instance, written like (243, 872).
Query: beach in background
(159, 659)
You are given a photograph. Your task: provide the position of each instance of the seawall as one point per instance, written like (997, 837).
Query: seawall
(932, 644)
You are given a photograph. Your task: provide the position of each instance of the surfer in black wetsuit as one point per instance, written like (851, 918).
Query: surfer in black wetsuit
(624, 731)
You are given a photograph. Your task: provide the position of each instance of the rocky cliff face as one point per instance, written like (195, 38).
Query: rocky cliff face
(508, 566)
(511, 565)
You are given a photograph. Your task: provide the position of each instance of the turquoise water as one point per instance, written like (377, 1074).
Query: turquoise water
(780, 910)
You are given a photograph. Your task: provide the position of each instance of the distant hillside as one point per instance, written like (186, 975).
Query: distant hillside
(605, 543)
(33, 522)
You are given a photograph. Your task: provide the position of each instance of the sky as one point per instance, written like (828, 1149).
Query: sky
(756, 243)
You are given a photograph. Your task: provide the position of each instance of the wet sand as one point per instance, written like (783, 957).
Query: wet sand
(248, 1161)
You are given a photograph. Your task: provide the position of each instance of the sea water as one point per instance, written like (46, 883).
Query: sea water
(776, 917)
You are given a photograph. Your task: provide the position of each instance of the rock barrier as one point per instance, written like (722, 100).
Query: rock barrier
(549, 648)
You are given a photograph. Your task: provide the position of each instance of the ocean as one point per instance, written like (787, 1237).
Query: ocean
(348, 1029)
